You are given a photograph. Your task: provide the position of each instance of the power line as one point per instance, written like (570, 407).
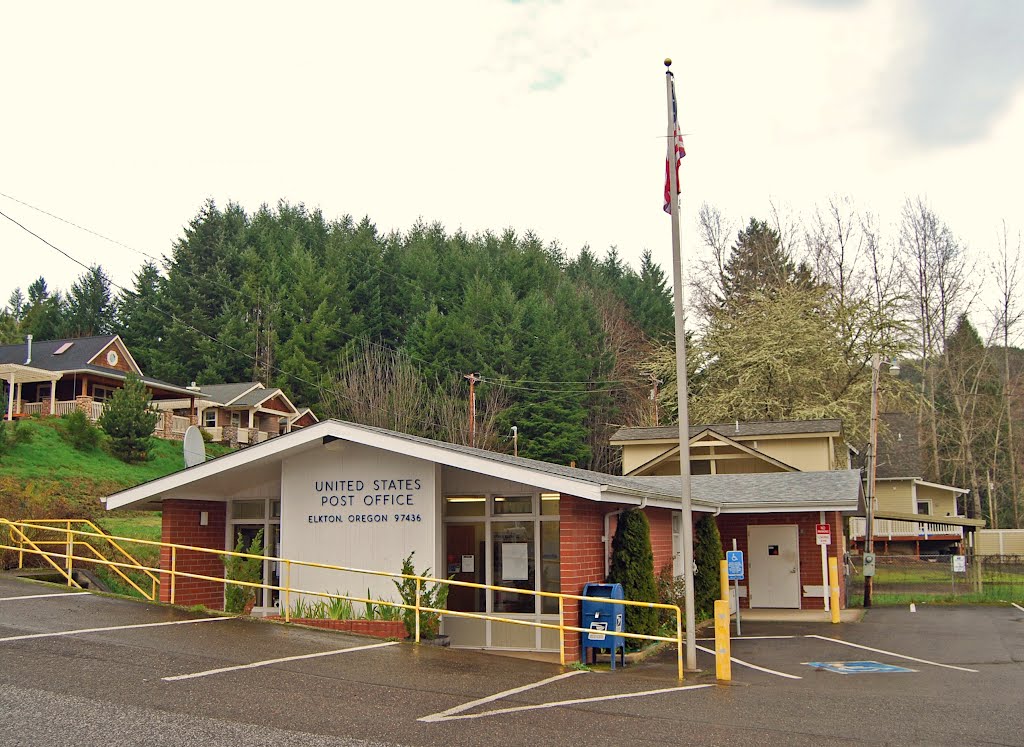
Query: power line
(237, 294)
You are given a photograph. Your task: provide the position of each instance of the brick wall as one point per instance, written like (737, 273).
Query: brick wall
(732, 526)
(581, 530)
(181, 527)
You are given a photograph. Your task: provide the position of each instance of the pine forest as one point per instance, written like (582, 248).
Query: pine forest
(784, 316)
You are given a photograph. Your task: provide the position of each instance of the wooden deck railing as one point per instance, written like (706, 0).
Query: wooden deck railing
(896, 529)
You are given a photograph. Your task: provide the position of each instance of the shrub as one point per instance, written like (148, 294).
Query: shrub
(707, 555)
(633, 567)
(129, 422)
(243, 569)
(431, 595)
(671, 590)
(79, 432)
(12, 434)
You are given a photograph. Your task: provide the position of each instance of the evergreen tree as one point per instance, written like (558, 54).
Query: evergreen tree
(632, 566)
(707, 554)
(759, 265)
(44, 313)
(128, 421)
(141, 321)
(88, 308)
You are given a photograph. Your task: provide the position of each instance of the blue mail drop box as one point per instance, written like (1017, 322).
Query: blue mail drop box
(603, 616)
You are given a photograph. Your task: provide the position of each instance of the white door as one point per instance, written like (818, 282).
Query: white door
(774, 562)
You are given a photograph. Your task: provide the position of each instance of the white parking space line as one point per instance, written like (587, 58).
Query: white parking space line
(114, 627)
(1017, 606)
(892, 653)
(754, 666)
(558, 703)
(268, 662)
(498, 696)
(48, 596)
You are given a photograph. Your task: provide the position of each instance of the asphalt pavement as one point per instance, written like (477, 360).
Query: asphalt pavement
(94, 670)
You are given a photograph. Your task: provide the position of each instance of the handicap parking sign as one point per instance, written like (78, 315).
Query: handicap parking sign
(857, 667)
(734, 562)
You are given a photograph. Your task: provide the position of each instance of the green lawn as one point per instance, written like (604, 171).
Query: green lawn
(48, 456)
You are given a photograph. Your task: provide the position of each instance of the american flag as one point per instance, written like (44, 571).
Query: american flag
(677, 139)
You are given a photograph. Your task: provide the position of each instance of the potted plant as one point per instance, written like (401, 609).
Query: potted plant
(433, 595)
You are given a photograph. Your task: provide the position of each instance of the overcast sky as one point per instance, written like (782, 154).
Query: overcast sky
(536, 115)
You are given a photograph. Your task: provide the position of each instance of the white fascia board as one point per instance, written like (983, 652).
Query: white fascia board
(950, 488)
(315, 434)
(776, 508)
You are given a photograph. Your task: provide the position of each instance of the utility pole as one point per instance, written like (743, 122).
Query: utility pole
(654, 399)
(515, 441)
(473, 379)
(869, 523)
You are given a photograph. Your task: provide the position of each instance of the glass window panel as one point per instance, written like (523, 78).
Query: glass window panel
(275, 509)
(514, 565)
(549, 504)
(465, 553)
(550, 565)
(513, 504)
(247, 510)
(465, 505)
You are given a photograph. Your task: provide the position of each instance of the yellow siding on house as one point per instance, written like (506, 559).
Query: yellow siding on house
(806, 454)
(895, 495)
(633, 455)
(745, 466)
(987, 542)
(943, 501)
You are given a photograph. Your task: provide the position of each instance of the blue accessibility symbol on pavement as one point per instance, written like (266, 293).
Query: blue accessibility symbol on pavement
(856, 667)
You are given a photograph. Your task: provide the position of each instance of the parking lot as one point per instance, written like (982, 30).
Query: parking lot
(100, 670)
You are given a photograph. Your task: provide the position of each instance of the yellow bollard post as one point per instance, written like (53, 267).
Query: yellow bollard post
(174, 570)
(561, 629)
(723, 653)
(287, 591)
(723, 579)
(418, 610)
(833, 585)
(70, 547)
(679, 642)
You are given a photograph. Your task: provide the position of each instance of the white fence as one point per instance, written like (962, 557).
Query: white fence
(896, 529)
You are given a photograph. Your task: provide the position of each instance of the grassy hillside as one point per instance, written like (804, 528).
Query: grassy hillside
(46, 477)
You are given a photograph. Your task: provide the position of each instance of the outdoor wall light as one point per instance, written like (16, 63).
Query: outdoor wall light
(894, 367)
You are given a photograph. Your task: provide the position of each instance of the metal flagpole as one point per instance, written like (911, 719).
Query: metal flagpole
(681, 386)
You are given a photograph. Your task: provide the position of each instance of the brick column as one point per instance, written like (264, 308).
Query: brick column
(181, 527)
(581, 527)
(84, 404)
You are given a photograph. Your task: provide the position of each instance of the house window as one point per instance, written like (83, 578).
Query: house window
(102, 393)
(210, 418)
(236, 419)
(924, 507)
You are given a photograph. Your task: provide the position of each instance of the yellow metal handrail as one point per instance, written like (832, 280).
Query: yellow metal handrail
(287, 590)
(97, 531)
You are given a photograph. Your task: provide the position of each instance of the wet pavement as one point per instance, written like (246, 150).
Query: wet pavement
(150, 674)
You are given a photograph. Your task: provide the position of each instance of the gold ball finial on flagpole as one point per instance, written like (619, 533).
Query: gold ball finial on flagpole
(668, 61)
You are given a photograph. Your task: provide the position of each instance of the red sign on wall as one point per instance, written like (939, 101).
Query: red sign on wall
(823, 534)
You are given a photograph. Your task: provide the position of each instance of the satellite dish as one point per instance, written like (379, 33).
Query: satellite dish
(194, 447)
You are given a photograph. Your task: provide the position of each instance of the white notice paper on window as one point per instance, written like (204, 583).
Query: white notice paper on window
(468, 563)
(515, 565)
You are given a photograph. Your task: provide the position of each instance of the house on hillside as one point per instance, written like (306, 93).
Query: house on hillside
(242, 413)
(787, 465)
(912, 515)
(54, 377)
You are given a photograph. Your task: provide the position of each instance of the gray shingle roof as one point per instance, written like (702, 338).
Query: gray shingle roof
(75, 358)
(765, 488)
(899, 448)
(223, 393)
(732, 430)
(831, 487)
(78, 355)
